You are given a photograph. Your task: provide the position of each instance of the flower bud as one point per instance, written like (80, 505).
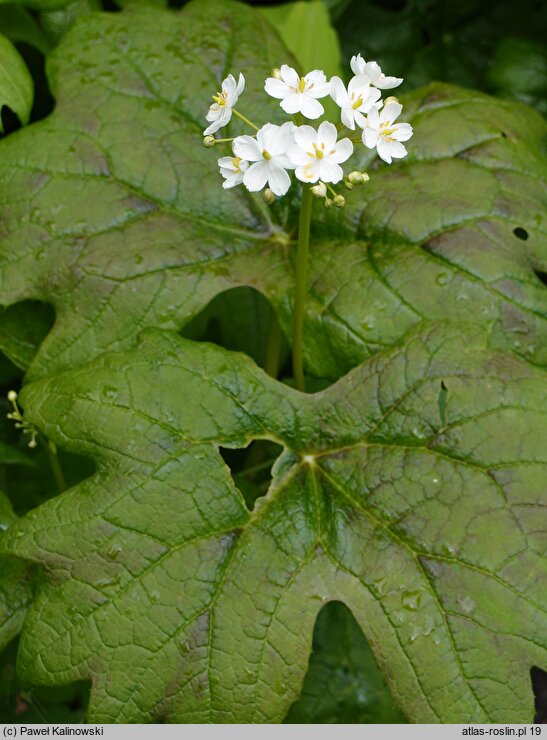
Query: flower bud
(209, 141)
(276, 73)
(391, 99)
(319, 190)
(358, 178)
(348, 184)
(328, 202)
(12, 396)
(339, 201)
(268, 196)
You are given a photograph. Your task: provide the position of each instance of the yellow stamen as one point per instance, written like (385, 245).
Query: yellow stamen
(266, 154)
(302, 85)
(358, 103)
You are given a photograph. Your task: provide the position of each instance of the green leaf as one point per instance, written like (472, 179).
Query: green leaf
(16, 85)
(15, 582)
(422, 530)
(114, 213)
(519, 71)
(343, 684)
(56, 23)
(307, 32)
(18, 25)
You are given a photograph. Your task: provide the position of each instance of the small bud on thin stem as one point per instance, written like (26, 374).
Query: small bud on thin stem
(209, 141)
(12, 396)
(319, 190)
(276, 73)
(339, 201)
(328, 202)
(348, 184)
(391, 99)
(268, 196)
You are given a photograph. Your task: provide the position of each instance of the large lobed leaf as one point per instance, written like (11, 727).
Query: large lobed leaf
(416, 506)
(113, 212)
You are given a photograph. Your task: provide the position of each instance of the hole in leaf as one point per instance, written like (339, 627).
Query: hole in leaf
(251, 468)
(63, 704)
(343, 683)
(520, 233)
(10, 122)
(541, 276)
(539, 687)
(23, 327)
(242, 320)
(43, 100)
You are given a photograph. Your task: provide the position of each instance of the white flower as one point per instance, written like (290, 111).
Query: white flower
(268, 152)
(356, 100)
(381, 132)
(299, 94)
(232, 170)
(221, 110)
(317, 155)
(375, 74)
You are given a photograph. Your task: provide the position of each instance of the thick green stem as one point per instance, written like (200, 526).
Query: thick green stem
(301, 287)
(273, 347)
(55, 465)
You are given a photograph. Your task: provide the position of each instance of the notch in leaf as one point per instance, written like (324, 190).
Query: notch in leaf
(539, 686)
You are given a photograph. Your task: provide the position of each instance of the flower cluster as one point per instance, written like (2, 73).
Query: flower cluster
(315, 155)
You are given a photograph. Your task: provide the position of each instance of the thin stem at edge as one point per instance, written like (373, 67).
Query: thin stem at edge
(301, 287)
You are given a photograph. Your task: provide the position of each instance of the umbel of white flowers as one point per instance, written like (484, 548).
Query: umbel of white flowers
(315, 155)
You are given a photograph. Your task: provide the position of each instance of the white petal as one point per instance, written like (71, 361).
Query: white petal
(330, 171)
(282, 160)
(309, 172)
(310, 107)
(240, 85)
(402, 131)
(227, 163)
(339, 93)
(343, 151)
(292, 103)
(278, 179)
(386, 83)
(298, 156)
(370, 99)
(383, 149)
(221, 120)
(283, 139)
(357, 65)
(289, 75)
(373, 70)
(316, 77)
(305, 137)
(247, 148)
(397, 150)
(370, 137)
(373, 119)
(390, 112)
(256, 176)
(266, 136)
(327, 134)
(359, 85)
(360, 119)
(276, 88)
(235, 179)
(229, 84)
(347, 118)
